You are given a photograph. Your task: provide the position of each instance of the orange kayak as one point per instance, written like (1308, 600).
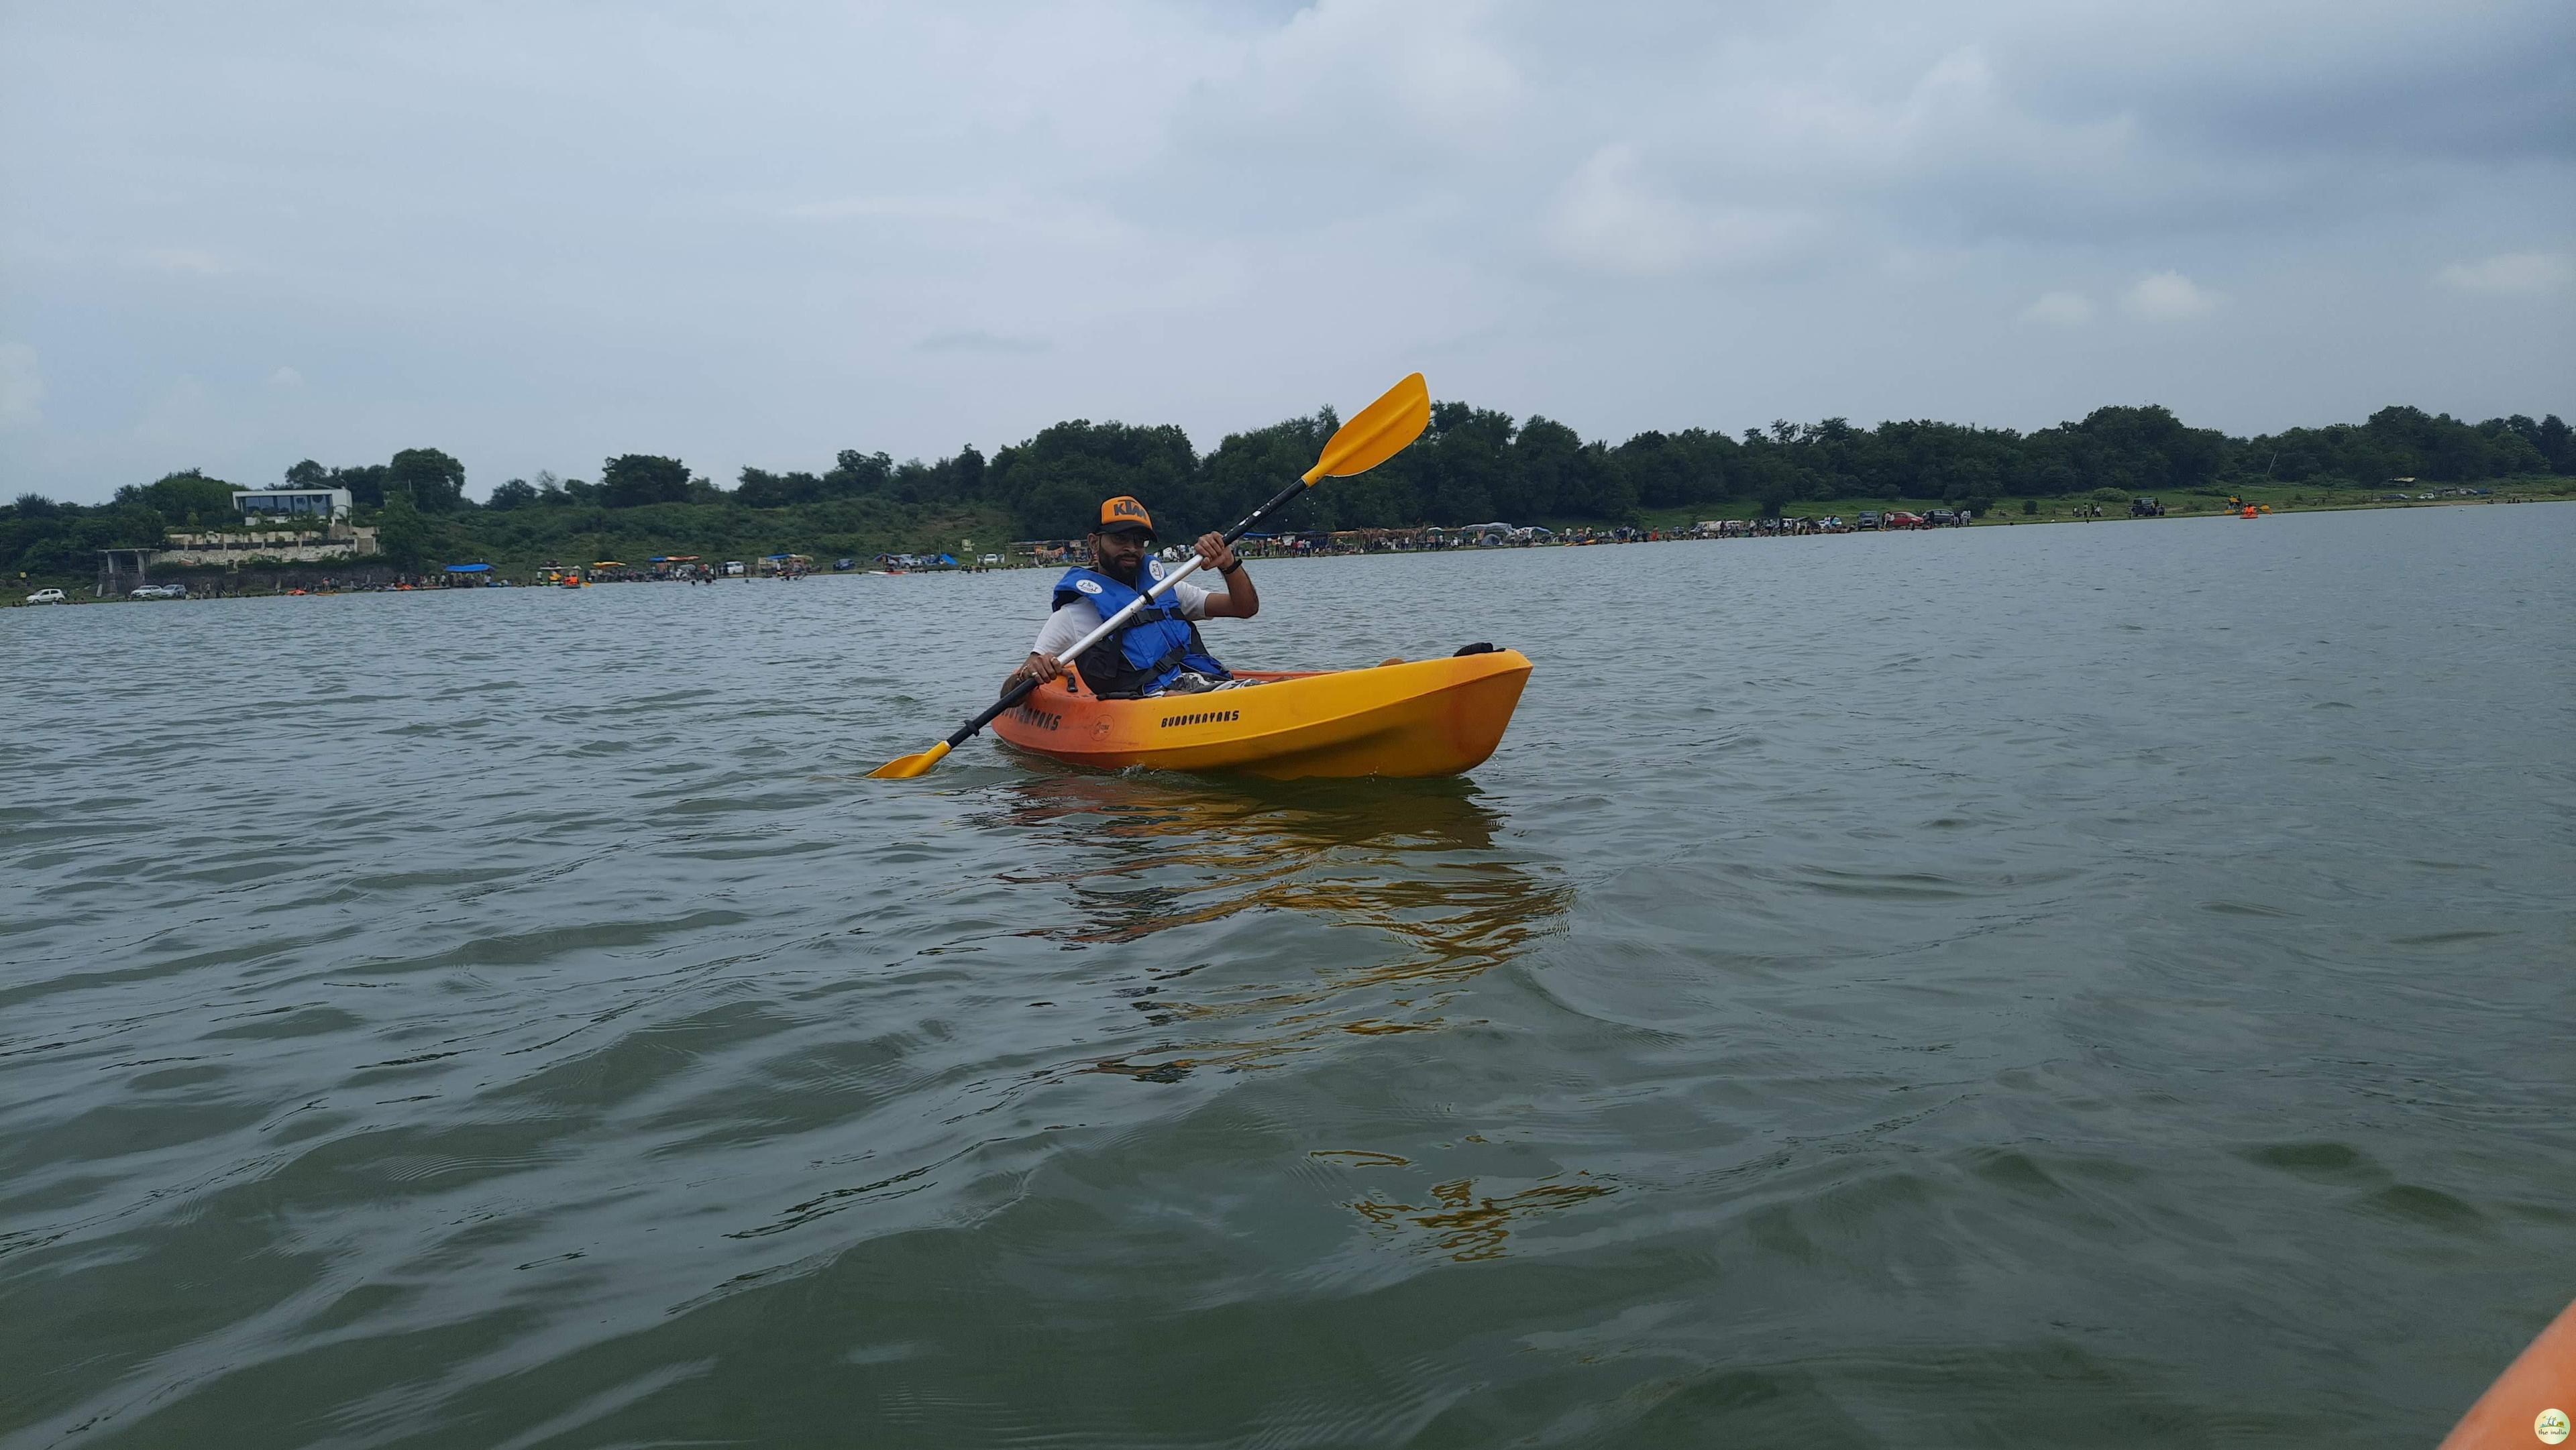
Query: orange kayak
(1423, 717)
(2530, 1402)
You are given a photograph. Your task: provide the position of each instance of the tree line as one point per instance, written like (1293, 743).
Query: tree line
(1472, 465)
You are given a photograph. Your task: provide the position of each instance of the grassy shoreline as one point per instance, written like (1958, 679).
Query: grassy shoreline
(2282, 498)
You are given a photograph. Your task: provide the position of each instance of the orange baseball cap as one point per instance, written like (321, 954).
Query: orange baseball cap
(1123, 515)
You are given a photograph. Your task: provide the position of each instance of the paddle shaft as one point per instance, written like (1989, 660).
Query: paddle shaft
(1020, 691)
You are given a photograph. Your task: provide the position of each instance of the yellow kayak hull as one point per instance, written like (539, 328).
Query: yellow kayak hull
(1422, 717)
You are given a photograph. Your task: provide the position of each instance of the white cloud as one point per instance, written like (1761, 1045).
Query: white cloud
(976, 339)
(22, 387)
(2060, 309)
(1429, 61)
(2513, 274)
(184, 415)
(286, 378)
(1072, 223)
(1611, 217)
(186, 260)
(2168, 297)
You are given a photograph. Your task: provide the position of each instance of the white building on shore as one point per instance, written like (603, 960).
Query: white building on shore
(296, 503)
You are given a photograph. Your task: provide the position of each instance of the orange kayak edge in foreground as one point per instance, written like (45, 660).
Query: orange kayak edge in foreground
(2540, 1383)
(1415, 718)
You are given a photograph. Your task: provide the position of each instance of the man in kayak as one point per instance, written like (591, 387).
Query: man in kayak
(1157, 651)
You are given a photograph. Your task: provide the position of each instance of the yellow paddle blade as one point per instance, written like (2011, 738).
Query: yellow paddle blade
(905, 767)
(1378, 433)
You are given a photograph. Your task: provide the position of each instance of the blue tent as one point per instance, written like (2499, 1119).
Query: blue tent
(947, 558)
(469, 568)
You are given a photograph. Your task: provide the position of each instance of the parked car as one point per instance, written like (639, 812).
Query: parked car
(1869, 518)
(2145, 508)
(1901, 520)
(159, 591)
(48, 596)
(1936, 518)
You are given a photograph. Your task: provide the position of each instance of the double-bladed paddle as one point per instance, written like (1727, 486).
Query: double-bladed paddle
(1377, 433)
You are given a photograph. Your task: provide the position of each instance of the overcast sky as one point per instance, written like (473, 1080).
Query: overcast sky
(537, 233)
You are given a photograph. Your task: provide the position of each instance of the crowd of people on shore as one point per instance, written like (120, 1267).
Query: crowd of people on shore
(1502, 535)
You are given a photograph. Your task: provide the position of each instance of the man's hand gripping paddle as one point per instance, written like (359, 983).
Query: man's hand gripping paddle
(1376, 434)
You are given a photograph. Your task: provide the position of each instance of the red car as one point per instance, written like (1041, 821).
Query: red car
(1902, 521)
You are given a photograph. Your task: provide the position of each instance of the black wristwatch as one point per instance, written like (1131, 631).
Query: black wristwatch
(1232, 569)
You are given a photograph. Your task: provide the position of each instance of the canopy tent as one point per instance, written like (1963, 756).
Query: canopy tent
(469, 568)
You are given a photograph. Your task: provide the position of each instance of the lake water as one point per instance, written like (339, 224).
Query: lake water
(2102, 984)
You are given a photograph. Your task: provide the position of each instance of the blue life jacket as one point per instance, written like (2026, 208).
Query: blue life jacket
(1143, 654)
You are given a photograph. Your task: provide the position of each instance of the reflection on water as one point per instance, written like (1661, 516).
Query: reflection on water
(1413, 867)
(1466, 1225)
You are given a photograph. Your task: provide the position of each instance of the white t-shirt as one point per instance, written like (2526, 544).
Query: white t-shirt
(1065, 628)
